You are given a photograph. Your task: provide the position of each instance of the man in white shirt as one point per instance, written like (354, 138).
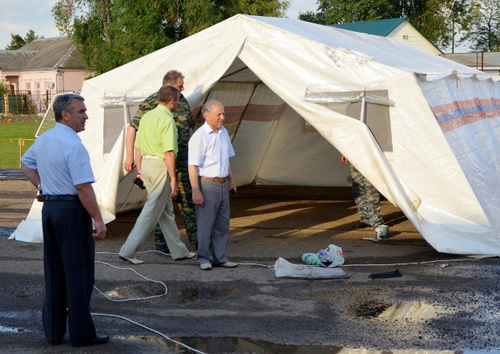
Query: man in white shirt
(211, 180)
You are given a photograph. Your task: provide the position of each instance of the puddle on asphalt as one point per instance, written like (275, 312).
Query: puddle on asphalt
(132, 292)
(245, 345)
(193, 294)
(410, 311)
(4, 329)
(6, 231)
(413, 311)
(370, 309)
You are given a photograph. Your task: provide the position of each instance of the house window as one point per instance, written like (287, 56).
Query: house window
(27, 86)
(37, 88)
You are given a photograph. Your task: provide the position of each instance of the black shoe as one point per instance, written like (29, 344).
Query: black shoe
(162, 248)
(360, 225)
(95, 341)
(54, 342)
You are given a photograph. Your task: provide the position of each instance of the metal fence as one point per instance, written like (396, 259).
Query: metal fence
(23, 102)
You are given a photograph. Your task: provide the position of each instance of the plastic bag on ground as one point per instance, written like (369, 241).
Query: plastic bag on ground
(330, 257)
(336, 255)
(285, 269)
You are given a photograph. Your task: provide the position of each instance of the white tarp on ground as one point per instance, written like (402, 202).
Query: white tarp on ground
(290, 88)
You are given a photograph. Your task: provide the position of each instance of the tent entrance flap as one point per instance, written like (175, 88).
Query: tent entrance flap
(368, 105)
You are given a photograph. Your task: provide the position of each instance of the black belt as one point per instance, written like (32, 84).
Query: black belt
(60, 198)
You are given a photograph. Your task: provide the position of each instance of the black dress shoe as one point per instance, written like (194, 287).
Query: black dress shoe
(95, 341)
(54, 342)
(360, 225)
(162, 248)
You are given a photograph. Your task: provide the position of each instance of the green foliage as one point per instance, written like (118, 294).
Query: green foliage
(9, 140)
(17, 41)
(485, 32)
(440, 21)
(110, 33)
(344, 11)
(3, 89)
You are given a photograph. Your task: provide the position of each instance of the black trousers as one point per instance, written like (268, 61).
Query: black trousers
(69, 255)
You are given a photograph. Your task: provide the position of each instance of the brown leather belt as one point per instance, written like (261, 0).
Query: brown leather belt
(215, 179)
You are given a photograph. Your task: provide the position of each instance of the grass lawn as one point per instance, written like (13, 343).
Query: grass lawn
(9, 140)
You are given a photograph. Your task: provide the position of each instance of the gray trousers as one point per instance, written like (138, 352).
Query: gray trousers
(212, 220)
(367, 198)
(158, 207)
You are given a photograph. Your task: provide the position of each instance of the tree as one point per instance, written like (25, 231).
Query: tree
(438, 20)
(445, 23)
(110, 33)
(17, 41)
(485, 33)
(344, 11)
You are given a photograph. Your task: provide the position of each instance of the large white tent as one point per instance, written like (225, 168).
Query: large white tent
(424, 130)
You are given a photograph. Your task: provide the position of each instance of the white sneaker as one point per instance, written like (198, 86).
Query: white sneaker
(229, 265)
(205, 266)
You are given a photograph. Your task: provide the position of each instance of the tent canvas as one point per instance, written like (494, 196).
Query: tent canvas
(436, 154)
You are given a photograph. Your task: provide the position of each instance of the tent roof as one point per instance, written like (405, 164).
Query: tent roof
(381, 49)
(235, 31)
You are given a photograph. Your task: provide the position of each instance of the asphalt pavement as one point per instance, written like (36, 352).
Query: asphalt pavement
(397, 296)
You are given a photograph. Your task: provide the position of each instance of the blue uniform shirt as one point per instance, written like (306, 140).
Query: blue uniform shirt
(61, 160)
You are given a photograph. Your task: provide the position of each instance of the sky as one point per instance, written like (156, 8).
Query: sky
(19, 16)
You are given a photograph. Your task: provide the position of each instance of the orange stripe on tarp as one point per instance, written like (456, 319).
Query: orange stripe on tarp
(233, 114)
(453, 124)
(444, 109)
(263, 113)
(475, 106)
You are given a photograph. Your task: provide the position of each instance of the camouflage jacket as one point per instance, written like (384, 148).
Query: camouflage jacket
(182, 116)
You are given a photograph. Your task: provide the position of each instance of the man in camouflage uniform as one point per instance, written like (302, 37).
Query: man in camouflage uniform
(367, 198)
(185, 126)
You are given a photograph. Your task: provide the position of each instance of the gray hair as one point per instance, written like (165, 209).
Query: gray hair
(64, 103)
(171, 77)
(209, 106)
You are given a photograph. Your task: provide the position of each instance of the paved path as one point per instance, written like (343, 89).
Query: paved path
(12, 174)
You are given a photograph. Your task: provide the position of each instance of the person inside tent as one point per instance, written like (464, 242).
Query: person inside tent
(367, 199)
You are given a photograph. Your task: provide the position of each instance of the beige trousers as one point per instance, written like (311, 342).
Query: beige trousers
(158, 208)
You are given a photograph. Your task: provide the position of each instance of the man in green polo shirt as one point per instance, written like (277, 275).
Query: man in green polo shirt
(185, 126)
(155, 152)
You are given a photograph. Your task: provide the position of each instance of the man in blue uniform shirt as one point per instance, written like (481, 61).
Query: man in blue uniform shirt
(59, 166)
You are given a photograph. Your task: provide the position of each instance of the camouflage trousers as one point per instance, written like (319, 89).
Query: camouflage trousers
(186, 206)
(367, 198)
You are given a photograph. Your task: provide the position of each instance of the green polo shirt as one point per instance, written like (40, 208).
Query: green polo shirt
(157, 133)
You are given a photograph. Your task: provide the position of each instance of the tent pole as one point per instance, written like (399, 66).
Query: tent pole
(244, 111)
(363, 107)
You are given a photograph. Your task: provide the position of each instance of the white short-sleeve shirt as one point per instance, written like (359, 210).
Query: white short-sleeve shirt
(210, 151)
